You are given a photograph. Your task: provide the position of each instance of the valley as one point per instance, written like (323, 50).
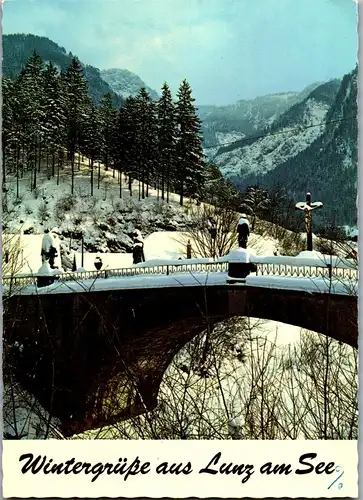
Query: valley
(101, 159)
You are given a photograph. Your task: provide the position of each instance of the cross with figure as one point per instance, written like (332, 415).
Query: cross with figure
(307, 207)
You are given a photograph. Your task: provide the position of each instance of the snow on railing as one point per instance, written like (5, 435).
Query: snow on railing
(277, 268)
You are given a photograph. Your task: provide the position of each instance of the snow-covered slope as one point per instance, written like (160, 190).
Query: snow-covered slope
(221, 124)
(222, 138)
(125, 83)
(290, 134)
(330, 163)
(265, 154)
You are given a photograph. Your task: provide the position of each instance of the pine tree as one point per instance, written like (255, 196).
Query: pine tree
(256, 201)
(75, 87)
(108, 115)
(146, 140)
(54, 115)
(166, 139)
(31, 116)
(125, 144)
(189, 151)
(9, 138)
(92, 138)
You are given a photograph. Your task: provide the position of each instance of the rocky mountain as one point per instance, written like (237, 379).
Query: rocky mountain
(125, 83)
(310, 147)
(328, 167)
(292, 132)
(222, 124)
(17, 48)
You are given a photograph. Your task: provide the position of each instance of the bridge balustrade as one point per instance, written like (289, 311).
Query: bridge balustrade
(263, 269)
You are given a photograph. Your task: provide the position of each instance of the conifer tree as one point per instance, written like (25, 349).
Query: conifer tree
(31, 104)
(54, 114)
(107, 115)
(166, 139)
(189, 152)
(92, 138)
(126, 141)
(146, 137)
(75, 87)
(8, 125)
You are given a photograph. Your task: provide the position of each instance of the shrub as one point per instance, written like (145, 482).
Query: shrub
(65, 204)
(43, 212)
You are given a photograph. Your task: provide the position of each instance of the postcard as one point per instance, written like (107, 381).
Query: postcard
(180, 248)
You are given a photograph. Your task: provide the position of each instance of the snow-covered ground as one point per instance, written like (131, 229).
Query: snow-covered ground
(166, 245)
(35, 210)
(339, 286)
(89, 215)
(268, 152)
(232, 371)
(106, 220)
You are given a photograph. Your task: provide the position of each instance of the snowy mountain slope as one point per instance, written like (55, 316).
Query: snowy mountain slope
(125, 83)
(329, 164)
(246, 116)
(222, 138)
(106, 221)
(287, 137)
(17, 48)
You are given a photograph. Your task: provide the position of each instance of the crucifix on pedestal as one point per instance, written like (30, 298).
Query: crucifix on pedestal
(307, 207)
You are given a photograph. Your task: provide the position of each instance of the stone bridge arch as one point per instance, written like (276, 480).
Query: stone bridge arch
(99, 357)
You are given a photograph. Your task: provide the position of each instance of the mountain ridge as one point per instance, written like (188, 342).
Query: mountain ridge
(321, 159)
(246, 116)
(18, 47)
(126, 83)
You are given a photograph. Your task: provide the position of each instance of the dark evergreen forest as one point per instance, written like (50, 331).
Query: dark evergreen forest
(50, 119)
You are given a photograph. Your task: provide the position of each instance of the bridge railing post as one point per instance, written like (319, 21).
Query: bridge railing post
(239, 266)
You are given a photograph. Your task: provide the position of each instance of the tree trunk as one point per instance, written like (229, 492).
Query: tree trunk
(4, 175)
(162, 185)
(35, 170)
(22, 163)
(99, 175)
(120, 183)
(58, 174)
(143, 183)
(91, 161)
(17, 170)
(167, 187)
(40, 155)
(72, 168)
(47, 162)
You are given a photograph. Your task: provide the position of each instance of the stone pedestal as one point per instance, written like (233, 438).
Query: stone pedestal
(239, 266)
(45, 280)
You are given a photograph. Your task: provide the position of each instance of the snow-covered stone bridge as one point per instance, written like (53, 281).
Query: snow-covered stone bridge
(93, 348)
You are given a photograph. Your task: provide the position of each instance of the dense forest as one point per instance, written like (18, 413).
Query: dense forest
(17, 48)
(50, 122)
(49, 118)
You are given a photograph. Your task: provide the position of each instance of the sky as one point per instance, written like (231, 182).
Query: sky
(227, 49)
